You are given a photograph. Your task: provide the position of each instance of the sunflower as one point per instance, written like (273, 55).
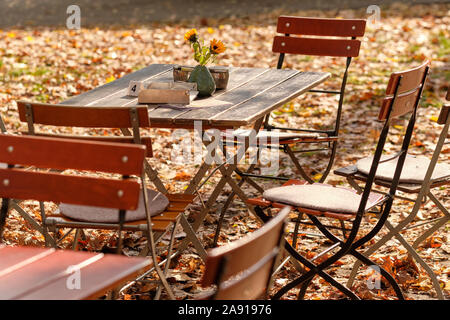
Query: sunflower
(191, 36)
(216, 46)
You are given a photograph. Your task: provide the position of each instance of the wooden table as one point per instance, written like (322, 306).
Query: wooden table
(28, 273)
(251, 94)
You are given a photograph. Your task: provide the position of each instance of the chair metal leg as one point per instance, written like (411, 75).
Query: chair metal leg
(2, 126)
(191, 237)
(302, 292)
(424, 265)
(226, 205)
(296, 227)
(330, 162)
(298, 165)
(75, 239)
(314, 270)
(302, 171)
(436, 226)
(168, 259)
(383, 272)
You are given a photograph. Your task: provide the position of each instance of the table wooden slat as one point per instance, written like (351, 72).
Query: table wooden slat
(273, 98)
(266, 81)
(161, 116)
(120, 98)
(251, 93)
(113, 87)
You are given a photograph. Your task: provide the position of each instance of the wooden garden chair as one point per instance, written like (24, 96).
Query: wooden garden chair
(119, 201)
(343, 44)
(111, 117)
(135, 118)
(242, 270)
(421, 176)
(402, 97)
(104, 117)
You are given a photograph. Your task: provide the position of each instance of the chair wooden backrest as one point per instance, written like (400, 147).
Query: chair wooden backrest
(445, 111)
(409, 83)
(350, 28)
(88, 117)
(320, 37)
(242, 269)
(61, 154)
(403, 91)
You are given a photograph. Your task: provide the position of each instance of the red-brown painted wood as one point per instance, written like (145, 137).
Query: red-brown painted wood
(80, 116)
(56, 153)
(321, 26)
(240, 256)
(411, 79)
(316, 46)
(146, 141)
(46, 186)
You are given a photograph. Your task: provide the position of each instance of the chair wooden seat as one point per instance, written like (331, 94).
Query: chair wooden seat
(414, 169)
(352, 172)
(262, 202)
(161, 222)
(28, 273)
(403, 94)
(321, 197)
(157, 203)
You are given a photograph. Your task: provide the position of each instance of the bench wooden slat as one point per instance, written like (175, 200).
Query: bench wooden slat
(12, 259)
(48, 277)
(37, 273)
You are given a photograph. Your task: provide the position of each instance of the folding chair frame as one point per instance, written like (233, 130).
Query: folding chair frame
(82, 164)
(423, 193)
(287, 25)
(135, 122)
(350, 244)
(331, 135)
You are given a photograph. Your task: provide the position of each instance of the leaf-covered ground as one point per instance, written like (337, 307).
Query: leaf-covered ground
(50, 65)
